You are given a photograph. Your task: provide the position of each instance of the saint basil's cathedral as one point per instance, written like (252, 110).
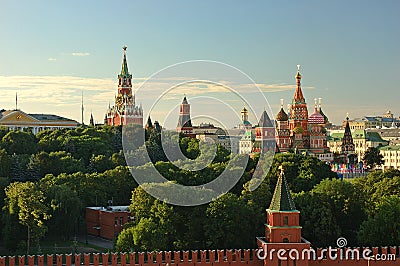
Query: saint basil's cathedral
(298, 130)
(295, 130)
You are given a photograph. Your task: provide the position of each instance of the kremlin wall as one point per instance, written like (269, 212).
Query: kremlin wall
(237, 257)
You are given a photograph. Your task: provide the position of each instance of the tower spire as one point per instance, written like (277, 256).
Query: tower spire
(91, 123)
(347, 142)
(298, 95)
(124, 68)
(82, 109)
(16, 101)
(282, 200)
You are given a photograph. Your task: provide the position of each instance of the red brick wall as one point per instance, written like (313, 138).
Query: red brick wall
(183, 258)
(109, 222)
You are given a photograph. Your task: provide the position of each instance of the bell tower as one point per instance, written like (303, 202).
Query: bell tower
(298, 119)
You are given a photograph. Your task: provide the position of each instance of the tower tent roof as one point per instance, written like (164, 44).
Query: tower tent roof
(264, 120)
(282, 200)
(149, 124)
(124, 68)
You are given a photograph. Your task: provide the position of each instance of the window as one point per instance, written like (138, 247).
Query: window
(285, 240)
(285, 220)
(116, 221)
(121, 221)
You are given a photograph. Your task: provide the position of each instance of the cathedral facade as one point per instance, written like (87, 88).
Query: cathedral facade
(294, 130)
(125, 111)
(298, 130)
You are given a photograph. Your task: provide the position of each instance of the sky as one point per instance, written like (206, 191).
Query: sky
(53, 51)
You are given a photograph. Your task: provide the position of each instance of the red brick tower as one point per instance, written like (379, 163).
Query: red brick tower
(184, 122)
(265, 135)
(298, 120)
(125, 111)
(283, 230)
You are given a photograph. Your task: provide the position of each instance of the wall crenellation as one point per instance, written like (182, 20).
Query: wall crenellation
(238, 257)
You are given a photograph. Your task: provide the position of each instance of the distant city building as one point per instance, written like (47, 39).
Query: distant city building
(19, 120)
(246, 142)
(107, 222)
(389, 134)
(391, 157)
(260, 139)
(386, 120)
(362, 140)
(125, 111)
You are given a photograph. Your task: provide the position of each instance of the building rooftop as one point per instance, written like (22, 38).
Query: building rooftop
(358, 134)
(111, 208)
(282, 200)
(49, 117)
(390, 148)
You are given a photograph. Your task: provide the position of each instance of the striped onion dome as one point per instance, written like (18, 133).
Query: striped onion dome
(316, 117)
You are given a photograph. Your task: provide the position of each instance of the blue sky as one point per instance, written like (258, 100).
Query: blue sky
(51, 50)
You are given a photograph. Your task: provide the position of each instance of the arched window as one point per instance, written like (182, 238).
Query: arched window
(285, 240)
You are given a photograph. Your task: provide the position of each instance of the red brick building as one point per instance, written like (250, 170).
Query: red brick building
(106, 222)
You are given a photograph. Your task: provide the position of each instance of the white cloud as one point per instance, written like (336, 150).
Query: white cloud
(62, 94)
(52, 59)
(80, 54)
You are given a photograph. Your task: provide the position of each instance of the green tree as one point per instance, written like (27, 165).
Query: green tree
(126, 240)
(19, 142)
(18, 171)
(373, 157)
(65, 210)
(26, 200)
(147, 236)
(345, 203)
(227, 224)
(319, 223)
(141, 203)
(383, 228)
(99, 163)
(3, 131)
(154, 228)
(375, 186)
(5, 162)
